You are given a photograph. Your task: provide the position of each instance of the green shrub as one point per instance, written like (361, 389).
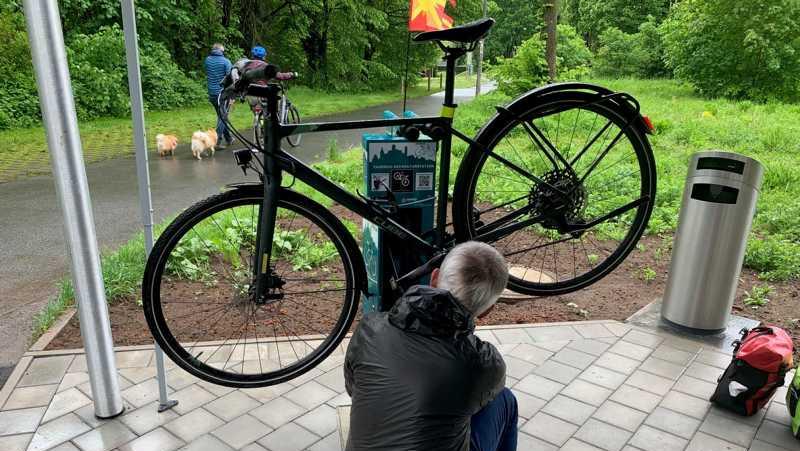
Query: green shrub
(99, 75)
(619, 54)
(528, 68)
(573, 56)
(98, 71)
(623, 54)
(19, 104)
(736, 49)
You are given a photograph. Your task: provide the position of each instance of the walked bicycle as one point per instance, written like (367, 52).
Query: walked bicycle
(259, 284)
(287, 114)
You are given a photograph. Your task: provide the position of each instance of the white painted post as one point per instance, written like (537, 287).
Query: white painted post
(142, 169)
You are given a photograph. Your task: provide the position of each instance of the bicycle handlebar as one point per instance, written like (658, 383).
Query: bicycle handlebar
(263, 74)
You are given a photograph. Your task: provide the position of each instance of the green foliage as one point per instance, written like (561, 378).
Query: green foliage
(98, 72)
(774, 258)
(19, 104)
(647, 274)
(302, 251)
(99, 76)
(736, 49)
(573, 55)
(189, 259)
(592, 17)
(757, 296)
(528, 68)
(517, 21)
(623, 54)
(523, 72)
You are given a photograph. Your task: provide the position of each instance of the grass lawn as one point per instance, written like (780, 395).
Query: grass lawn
(468, 81)
(24, 151)
(685, 124)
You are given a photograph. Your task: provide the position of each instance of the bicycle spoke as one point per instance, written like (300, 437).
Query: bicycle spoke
(579, 155)
(616, 212)
(533, 132)
(601, 156)
(572, 136)
(503, 205)
(539, 247)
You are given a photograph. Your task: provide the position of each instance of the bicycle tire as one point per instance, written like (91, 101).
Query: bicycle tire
(293, 118)
(165, 330)
(497, 129)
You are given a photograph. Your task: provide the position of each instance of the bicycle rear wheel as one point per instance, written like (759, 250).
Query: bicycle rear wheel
(293, 118)
(200, 308)
(566, 184)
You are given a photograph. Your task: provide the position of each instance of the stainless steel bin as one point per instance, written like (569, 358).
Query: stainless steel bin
(719, 202)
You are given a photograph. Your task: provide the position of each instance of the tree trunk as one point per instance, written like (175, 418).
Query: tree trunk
(550, 20)
(227, 6)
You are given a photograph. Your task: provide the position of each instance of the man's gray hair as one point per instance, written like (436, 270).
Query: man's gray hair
(218, 46)
(476, 274)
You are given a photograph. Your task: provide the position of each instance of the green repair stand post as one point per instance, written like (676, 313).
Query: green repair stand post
(408, 169)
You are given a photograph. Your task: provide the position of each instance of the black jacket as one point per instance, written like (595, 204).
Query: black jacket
(417, 374)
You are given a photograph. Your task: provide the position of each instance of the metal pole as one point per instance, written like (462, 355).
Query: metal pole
(142, 169)
(66, 156)
(480, 58)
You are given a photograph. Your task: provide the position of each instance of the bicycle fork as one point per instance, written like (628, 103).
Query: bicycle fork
(265, 280)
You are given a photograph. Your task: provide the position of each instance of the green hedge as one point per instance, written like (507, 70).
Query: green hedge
(98, 71)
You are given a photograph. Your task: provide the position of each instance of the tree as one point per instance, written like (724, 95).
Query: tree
(623, 54)
(736, 49)
(592, 17)
(550, 20)
(517, 20)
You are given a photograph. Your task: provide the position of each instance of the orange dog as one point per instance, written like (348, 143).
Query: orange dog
(166, 144)
(202, 141)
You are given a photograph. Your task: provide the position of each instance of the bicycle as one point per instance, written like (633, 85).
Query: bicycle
(287, 113)
(259, 284)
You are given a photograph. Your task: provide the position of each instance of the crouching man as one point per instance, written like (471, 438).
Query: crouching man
(418, 376)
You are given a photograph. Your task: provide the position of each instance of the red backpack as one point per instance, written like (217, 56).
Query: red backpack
(761, 360)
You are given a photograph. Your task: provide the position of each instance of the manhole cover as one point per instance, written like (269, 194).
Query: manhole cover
(527, 274)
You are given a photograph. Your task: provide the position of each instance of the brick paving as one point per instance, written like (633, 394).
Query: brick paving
(596, 385)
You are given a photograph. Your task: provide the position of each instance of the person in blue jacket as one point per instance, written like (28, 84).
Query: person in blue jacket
(217, 67)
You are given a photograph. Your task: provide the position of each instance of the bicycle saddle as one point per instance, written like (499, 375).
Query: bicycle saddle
(465, 34)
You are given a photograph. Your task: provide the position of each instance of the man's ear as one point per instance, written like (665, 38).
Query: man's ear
(435, 278)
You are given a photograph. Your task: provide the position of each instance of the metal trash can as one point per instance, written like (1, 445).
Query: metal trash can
(719, 202)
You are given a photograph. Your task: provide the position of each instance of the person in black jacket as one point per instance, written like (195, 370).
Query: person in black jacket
(418, 376)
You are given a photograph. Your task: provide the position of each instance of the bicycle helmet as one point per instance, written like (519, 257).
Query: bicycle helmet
(258, 52)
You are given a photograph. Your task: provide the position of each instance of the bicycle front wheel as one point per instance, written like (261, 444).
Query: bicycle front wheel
(563, 189)
(200, 307)
(293, 118)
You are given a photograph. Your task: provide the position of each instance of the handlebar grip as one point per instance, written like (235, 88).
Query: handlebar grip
(286, 76)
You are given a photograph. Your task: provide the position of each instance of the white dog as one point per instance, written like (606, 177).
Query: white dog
(166, 144)
(202, 141)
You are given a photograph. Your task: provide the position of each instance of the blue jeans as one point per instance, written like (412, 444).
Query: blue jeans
(222, 129)
(494, 428)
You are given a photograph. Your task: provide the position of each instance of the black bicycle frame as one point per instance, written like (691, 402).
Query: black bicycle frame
(277, 161)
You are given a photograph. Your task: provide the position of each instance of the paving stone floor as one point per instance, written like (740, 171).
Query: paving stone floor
(596, 385)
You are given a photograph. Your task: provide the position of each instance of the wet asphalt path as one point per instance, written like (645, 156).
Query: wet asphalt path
(32, 247)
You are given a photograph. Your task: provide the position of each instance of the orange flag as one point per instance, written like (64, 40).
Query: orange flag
(429, 15)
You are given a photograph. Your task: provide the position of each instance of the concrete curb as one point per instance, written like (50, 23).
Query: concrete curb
(54, 330)
(54, 352)
(13, 379)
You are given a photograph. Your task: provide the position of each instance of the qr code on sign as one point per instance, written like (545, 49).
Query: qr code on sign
(424, 181)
